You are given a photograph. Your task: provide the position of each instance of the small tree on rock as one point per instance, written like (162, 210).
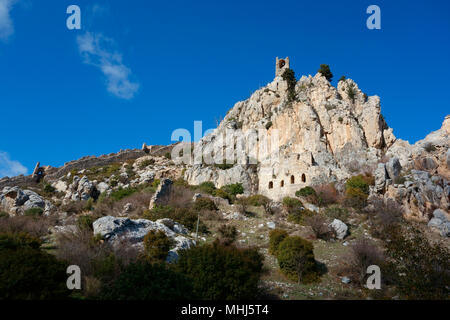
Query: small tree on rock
(326, 72)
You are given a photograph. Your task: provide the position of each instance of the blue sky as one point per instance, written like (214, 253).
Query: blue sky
(137, 70)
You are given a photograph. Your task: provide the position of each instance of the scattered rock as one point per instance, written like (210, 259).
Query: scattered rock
(271, 225)
(340, 228)
(345, 280)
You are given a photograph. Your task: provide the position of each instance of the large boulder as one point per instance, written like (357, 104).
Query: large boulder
(115, 230)
(340, 228)
(393, 168)
(34, 200)
(380, 177)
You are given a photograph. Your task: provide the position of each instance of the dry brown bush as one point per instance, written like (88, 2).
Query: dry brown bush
(35, 226)
(75, 207)
(80, 248)
(363, 254)
(318, 224)
(326, 194)
(384, 217)
(139, 203)
(181, 196)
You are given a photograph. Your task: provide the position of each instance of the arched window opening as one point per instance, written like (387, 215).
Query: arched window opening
(282, 183)
(292, 179)
(303, 178)
(270, 185)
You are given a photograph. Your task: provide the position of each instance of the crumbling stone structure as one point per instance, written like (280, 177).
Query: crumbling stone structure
(281, 65)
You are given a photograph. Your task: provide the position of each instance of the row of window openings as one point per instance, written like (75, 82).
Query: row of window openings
(292, 181)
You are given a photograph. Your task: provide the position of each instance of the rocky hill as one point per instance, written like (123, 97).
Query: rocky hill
(300, 155)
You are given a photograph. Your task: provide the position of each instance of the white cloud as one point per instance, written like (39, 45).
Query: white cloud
(10, 168)
(98, 51)
(6, 23)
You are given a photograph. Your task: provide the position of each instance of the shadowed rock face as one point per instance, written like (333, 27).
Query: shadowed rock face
(162, 194)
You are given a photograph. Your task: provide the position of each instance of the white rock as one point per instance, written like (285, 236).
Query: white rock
(271, 225)
(340, 228)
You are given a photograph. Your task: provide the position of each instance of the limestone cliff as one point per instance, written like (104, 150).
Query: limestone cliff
(326, 134)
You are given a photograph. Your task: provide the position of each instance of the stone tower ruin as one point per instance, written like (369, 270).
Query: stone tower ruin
(281, 65)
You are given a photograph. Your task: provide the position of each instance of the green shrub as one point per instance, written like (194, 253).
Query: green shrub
(34, 212)
(157, 245)
(268, 125)
(310, 194)
(207, 187)
(299, 216)
(275, 238)
(234, 189)
(429, 147)
(351, 93)
(228, 234)
(48, 188)
(204, 204)
(358, 182)
(296, 259)
(27, 273)
(335, 212)
(355, 198)
(167, 155)
(289, 76)
(292, 204)
(19, 240)
(306, 191)
(122, 193)
(151, 188)
(224, 166)
(220, 272)
(325, 71)
(106, 268)
(85, 222)
(101, 173)
(258, 200)
(417, 268)
(222, 194)
(142, 280)
(144, 164)
(343, 78)
(357, 191)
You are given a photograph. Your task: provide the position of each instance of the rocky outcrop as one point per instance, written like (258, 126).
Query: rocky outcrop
(115, 230)
(81, 189)
(162, 194)
(323, 136)
(14, 201)
(440, 222)
(420, 194)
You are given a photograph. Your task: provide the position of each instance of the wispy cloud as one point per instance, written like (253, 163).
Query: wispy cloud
(99, 51)
(10, 168)
(6, 23)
